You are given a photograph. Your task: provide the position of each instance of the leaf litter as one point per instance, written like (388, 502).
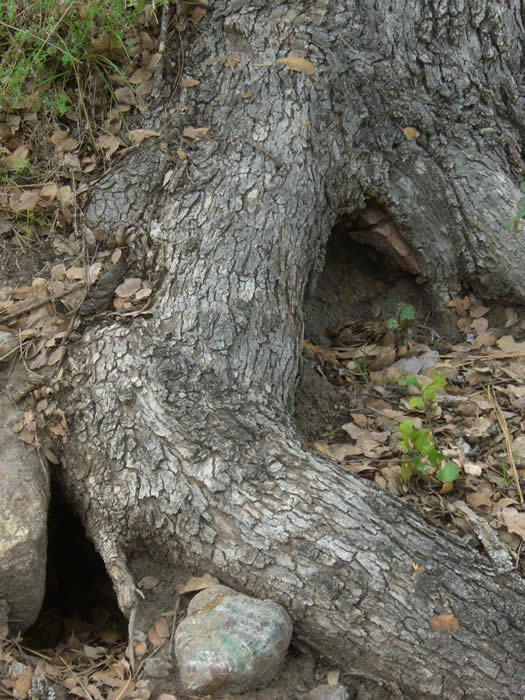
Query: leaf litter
(478, 423)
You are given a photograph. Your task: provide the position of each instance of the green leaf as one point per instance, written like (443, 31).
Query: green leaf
(439, 380)
(416, 402)
(434, 457)
(420, 465)
(411, 380)
(406, 428)
(429, 394)
(392, 324)
(449, 472)
(422, 440)
(407, 315)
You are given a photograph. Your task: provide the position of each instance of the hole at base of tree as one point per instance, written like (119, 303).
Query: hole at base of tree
(80, 605)
(358, 283)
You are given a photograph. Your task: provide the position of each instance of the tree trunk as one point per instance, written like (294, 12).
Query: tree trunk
(182, 442)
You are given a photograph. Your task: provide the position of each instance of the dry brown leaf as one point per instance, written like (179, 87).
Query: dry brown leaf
(56, 356)
(162, 628)
(137, 136)
(128, 287)
(148, 583)
(478, 311)
(26, 200)
(196, 583)
(462, 306)
(195, 134)
(353, 430)
(140, 649)
(66, 145)
(247, 94)
(65, 194)
(125, 96)
(481, 498)
(411, 133)
(49, 191)
(116, 255)
(508, 344)
(232, 61)
(445, 622)
(298, 64)
(514, 521)
(143, 293)
(140, 76)
(419, 569)
(484, 340)
(109, 143)
(17, 159)
(22, 683)
(472, 468)
(189, 82)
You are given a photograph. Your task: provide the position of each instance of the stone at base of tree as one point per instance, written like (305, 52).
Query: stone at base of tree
(24, 500)
(230, 642)
(326, 692)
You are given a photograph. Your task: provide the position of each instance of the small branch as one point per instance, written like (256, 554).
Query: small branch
(508, 444)
(41, 302)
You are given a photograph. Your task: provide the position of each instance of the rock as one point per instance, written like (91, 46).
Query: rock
(230, 642)
(24, 500)
(416, 365)
(326, 692)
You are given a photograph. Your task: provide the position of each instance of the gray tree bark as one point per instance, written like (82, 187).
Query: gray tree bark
(182, 441)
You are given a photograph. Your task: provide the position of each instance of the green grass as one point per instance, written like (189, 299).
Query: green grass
(47, 46)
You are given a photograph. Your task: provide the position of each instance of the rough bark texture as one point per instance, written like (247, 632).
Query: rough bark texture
(181, 431)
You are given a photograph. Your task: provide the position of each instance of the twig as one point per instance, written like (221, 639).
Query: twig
(159, 70)
(42, 302)
(508, 444)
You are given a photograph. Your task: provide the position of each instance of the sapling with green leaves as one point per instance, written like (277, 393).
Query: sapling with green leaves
(417, 445)
(405, 319)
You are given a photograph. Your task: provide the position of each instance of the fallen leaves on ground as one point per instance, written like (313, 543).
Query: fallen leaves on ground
(478, 423)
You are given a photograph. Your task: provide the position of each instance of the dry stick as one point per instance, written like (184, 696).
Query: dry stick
(508, 444)
(42, 302)
(75, 675)
(159, 70)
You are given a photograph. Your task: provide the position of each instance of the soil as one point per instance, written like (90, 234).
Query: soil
(357, 282)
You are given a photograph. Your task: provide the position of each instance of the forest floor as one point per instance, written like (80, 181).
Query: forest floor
(349, 404)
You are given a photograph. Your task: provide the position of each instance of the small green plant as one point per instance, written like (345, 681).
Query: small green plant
(405, 318)
(48, 45)
(514, 223)
(418, 448)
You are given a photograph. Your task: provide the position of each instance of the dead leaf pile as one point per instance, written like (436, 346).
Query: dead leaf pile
(478, 423)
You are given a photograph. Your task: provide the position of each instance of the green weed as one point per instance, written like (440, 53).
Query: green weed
(419, 451)
(46, 46)
(405, 318)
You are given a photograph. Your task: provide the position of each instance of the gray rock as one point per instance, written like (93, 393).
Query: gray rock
(230, 642)
(417, 365)
(326, 692)
(24, 500)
